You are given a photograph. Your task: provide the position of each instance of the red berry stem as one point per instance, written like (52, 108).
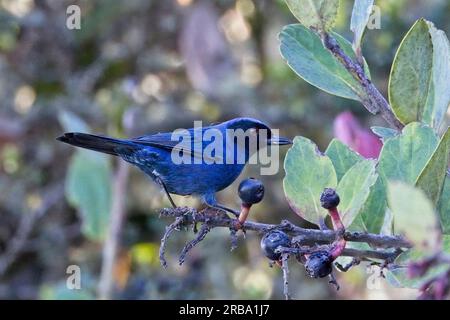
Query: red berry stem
(330, 201)
(245, 210)
(339, 245)
(337, 248)
(336, 219)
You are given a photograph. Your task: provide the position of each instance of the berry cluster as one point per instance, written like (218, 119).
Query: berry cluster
(318, 263)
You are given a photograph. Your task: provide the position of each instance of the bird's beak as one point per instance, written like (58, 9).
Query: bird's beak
(280, 141)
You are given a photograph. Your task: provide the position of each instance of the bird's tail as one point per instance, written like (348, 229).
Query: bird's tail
(98, 143)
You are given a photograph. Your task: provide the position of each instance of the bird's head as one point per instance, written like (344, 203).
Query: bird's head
(257, 128)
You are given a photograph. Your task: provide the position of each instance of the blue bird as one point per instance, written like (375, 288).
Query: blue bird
(202, 173)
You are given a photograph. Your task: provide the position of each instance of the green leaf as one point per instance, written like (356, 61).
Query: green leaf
(374, 209)
(439, 92)
(356, 225)
(404, 156)
(354, 189)
(419, 89)
(304, 53)
(431, 179)
(384, 133)
(88, 188)
(387, 227)
(444, 207)
(360, 17)
(317, 14)
(413, 213)
(410, 74)
(446, 243)
(342, 157)
(371, 215)
(308, 172)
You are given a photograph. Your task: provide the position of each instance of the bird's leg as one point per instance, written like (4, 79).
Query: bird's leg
(161, 183)
(223, 208)
(211, 202)
(219, 206)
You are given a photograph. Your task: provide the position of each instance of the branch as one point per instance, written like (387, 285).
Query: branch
(371, 254)
(285, 268)
(302, 236)
(305, 236)
(169, 229)
(373, 100)
(191, 244)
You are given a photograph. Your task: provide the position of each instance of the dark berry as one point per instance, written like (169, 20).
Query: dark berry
(272, 241)
(329, 199)
(319, 264)
(251, 191)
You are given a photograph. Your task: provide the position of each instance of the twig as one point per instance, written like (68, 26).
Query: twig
(204, 229)
(169, 229)
(301, 250)
(306, 236)
(110, 248)
(348, 266)
(304, 241)
(373, 254)
(234, 239)
(373, 100)
(15, 246)
(285, 268)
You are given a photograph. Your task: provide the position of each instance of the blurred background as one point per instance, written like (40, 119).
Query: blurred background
(138, 67)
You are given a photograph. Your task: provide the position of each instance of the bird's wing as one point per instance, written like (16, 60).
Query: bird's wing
(190, 143)
(159, 140)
